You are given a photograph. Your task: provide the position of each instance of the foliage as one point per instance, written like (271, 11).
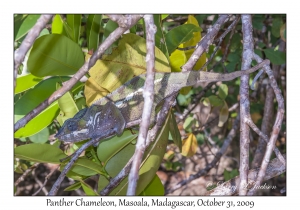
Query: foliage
(62, 49)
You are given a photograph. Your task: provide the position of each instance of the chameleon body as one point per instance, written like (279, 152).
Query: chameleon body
(109, 115)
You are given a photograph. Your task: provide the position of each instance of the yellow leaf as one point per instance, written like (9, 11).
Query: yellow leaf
(125, 62)
(189, 145)
(193, 42)
(93, 91)
(177, 59)
(223, 115)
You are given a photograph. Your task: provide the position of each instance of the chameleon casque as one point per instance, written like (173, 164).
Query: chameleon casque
(109, 115)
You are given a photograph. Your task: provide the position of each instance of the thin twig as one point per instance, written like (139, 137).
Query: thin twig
(220, 39)
(80, 73)
(265, 138)
(21, 178)
(46, 180)
(148, 95)
(276, 127)
(42, 187)
(268, 116)
(224, 57)
(197, 98)
(27, 43)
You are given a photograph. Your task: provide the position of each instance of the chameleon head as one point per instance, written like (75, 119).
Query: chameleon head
(74, 129)
(97, 121)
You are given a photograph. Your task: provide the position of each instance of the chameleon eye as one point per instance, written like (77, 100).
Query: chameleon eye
(72, 126)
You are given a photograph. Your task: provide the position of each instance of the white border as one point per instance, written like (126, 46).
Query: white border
(153, 6)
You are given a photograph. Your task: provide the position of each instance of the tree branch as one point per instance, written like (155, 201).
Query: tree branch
(276, 127)
(27, 43)
(46, 180)
(265, 139)
(245, 103)
(148, 95)
(268, 117)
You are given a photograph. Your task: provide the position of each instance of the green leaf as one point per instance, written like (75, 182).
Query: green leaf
(58, 25)
(41, 137)
(258, 21)
(74, 175)
(261, 45)
(200, 138)
(154, 188)
(31, 99)
(92, 31)
(87, 188)
(86, 167)
(258, 52)
(234, 57)
(41, 153)
(231, 66)
(176, 166)
(201, 18)
(74, 22)
(164, 16)
(67, 105)
(215, 101)
(188, 123)
(24, 82)
(54, 54)
(109, 27)
(184, 100)
(179, 35)
(106, 149)
(230, 174)
(174, 131)
(276, 57)
(223, 91)
(114, 164)
(276, 25)
(74, 186)
(160, 41)
(22, 25)
(236, 42)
